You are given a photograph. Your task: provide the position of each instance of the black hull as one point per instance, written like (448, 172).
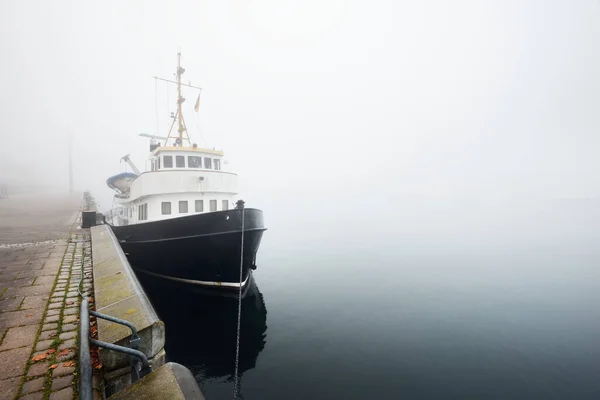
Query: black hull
(200, 249)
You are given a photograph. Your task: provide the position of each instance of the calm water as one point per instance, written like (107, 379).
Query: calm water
(507, 316)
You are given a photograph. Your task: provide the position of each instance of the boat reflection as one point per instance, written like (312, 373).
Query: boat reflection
(201, 327)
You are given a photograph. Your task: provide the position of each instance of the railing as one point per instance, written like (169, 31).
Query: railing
(85, 362)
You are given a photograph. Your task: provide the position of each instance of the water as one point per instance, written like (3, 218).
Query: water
(501, 315)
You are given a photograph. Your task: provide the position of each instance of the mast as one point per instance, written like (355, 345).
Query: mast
(178, 116)
(180, 98)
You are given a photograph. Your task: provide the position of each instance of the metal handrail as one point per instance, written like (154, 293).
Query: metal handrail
(85, 363)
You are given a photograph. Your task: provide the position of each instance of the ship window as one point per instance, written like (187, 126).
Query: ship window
(168, 161)
(207, 163)
(199, 205)
(194, 162)
(183, 206)
(217, 164)
(143, 212)
(225, 205)
(166, 207)
(180, 161)
(213, 205)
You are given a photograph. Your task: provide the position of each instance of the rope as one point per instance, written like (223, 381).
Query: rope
(237, 341)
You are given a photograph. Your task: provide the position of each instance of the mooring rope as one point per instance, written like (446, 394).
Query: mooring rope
(239, 315)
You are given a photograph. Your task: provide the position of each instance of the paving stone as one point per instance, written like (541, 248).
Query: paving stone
(33, 396)
(9, 388)
(19, 337)
(12, 362)
(21, 281)
(59, 294)
(70, 311)
(44, 344)
(44, 280)
(67, 344)
(49, 326)
(52, 312)
(62, 382)
(42, 255)
(48, 271)
(55, 305)
(64, 394)
(9, 276)
(67, 335)
(69, 319)
(61, 370)
(20, 318)
(29, 290)
(38, 369)
(69, 327)
(10, 304)
(35, 302)
(45, 335)
(33, 385)
(52, 318)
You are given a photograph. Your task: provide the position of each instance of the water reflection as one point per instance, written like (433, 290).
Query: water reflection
(201, 327)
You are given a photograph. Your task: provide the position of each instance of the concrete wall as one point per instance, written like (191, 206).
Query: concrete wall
(119, 294)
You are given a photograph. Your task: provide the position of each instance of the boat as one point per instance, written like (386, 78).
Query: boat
(183, 220)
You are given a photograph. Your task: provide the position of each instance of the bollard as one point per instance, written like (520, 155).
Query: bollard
(88, 219)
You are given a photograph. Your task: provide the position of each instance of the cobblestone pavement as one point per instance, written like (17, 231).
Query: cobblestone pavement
(39, 303)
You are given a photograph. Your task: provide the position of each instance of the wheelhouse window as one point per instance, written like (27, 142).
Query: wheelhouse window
(213, 205)
(165, 207)
(168, 161)
(183, 206)
(199, 206)
(217, 164)
(180, 161)
(225, 205)
(207, 163)
(194, 162)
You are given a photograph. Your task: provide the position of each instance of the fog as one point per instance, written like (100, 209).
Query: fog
(351, 120)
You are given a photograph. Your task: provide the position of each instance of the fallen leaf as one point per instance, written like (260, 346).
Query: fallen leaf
(29, 315)
(62, 353)
(39, 357)
(98, 366)
(70, 302)
(51, 351)
(53, 366)
(69, 364)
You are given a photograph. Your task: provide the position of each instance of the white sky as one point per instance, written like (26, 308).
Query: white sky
(314, 102)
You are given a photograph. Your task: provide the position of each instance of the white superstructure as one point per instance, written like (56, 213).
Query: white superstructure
(182, 181)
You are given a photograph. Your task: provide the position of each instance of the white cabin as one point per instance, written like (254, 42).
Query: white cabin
(181, 181)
